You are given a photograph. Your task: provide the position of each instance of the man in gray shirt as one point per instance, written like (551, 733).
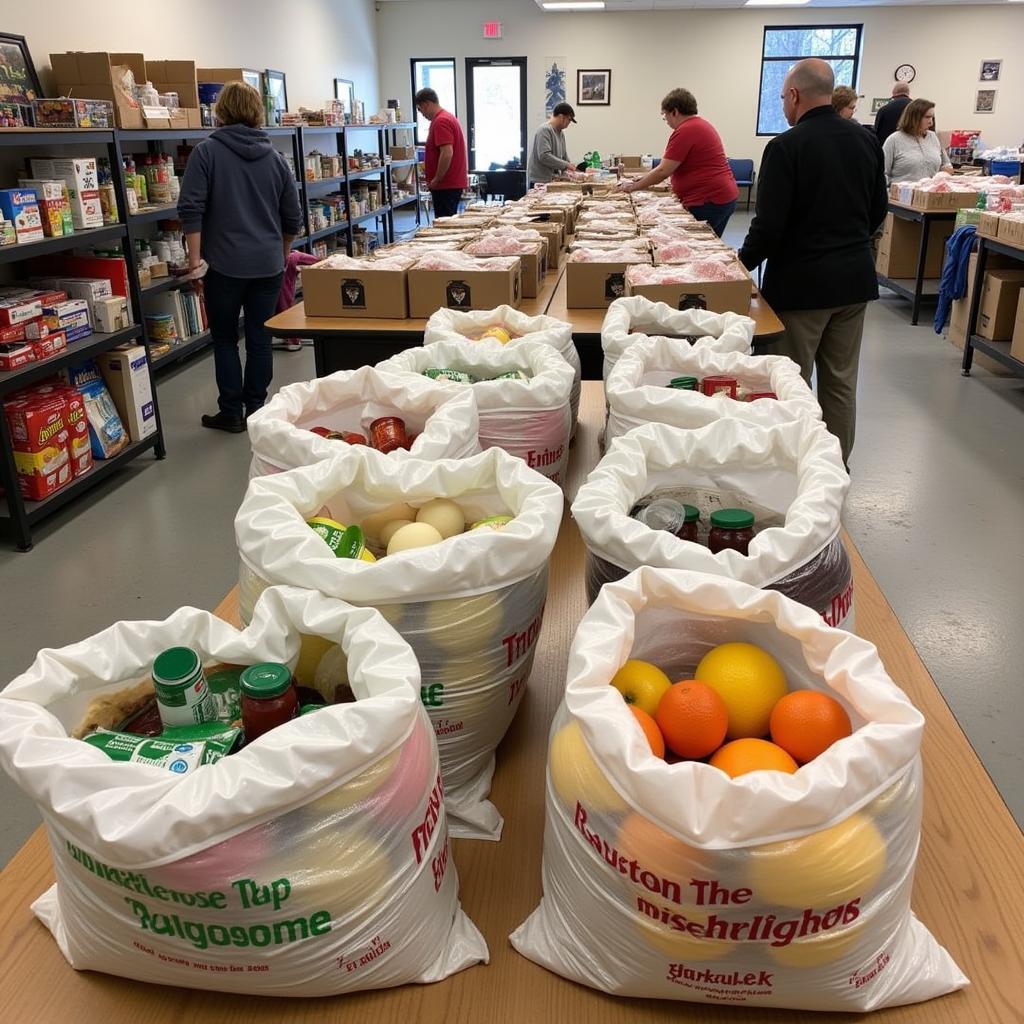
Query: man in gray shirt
(548, 157)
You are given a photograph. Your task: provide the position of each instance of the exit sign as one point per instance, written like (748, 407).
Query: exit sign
(492, 30)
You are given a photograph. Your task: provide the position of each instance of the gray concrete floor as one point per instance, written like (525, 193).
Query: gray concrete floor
(936, 508)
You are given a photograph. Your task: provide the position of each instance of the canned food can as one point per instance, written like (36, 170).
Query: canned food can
(387, 434)
(182, 694)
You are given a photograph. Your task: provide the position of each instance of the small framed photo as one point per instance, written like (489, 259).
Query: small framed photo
(594, 88)
(878, 102)
(19, 82)
(345, 91)
(985, 101)
(990, 70)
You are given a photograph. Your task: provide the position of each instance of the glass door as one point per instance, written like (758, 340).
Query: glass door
(496, 102)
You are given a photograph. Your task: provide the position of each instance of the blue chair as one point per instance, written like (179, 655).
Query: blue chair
(743, 172)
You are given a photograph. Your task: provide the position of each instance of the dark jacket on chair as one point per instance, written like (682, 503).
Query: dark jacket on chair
(821, 194)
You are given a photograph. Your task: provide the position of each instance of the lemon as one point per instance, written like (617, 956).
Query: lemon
(642, 684)
(681, 946)
(822, 869)
(749, 680)
(824, 948)
(576, 776)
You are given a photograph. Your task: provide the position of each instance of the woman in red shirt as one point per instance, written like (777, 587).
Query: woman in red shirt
(695, 159)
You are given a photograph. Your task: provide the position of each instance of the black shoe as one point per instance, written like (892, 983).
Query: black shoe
(222, 421)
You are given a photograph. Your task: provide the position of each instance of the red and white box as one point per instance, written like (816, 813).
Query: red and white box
(16, 353)
(18, 306)
(40, 434)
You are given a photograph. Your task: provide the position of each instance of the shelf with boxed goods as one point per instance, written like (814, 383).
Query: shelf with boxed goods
(995, 303)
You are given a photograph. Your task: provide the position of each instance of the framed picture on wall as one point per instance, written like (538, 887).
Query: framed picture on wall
(990, 71)
(985, 101)
(19, 82)
(345, 91)
(594, 87)
(252, 78)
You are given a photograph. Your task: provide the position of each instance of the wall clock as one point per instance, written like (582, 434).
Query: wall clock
(905, 73)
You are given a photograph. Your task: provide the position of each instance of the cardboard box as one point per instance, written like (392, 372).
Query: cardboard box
(988, 224)
(110, 314)
(716, 296)
(942, 200)
(634, 162)
(126, 372)
(431, 290)
(54, 206)
(16, 353)
(1011, 231)
(534, 258)
(92, 74)
(19, 306)
(596, 285)
(224, 74)
(91, 289)
(956, 332)
(402, 152)
(355, 293)
(176, 76)
(899, 245)
(1017, 346)
(82, 180)
(21, 207)
(999, 294)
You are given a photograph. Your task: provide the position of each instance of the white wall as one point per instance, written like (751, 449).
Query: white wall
(717, 55)
(311, 41)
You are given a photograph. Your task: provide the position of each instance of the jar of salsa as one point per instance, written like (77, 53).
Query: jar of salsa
(688, 531)
(731, 529)
(712, 385)
(268, 698)
(387, 434)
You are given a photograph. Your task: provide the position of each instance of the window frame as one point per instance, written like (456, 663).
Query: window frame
(413, 61)
(855, 57)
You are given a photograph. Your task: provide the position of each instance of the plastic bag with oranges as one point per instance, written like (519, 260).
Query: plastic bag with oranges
(775, 888)
(314, 861)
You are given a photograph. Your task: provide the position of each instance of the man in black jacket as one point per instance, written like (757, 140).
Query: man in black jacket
(889, 116)
(820, 195)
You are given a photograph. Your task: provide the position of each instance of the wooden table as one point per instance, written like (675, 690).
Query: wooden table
(917, 288)
(969, 888)
(345, 343)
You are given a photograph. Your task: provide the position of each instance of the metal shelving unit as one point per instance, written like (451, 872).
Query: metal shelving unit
(21, 514)
(997, 350)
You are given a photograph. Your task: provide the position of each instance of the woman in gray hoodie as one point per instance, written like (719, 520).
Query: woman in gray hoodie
(239, 208)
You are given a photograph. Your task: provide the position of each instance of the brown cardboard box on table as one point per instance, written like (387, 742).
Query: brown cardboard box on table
(552, 230)
(431, 290)
(1017, 346)
(900, 243)
(716, 296)
(1011, 231)
(988, 224)
(597, 285)
(565, 214)
(999, 293)
(942, 200)
(370, 293)
(631, 162)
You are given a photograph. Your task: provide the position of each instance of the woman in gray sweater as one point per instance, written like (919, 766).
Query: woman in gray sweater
(913, 151)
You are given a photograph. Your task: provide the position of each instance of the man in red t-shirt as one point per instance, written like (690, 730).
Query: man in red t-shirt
(445, 158)
(696, 161)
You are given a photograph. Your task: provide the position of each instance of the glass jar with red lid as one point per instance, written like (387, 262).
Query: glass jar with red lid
(269, 698)
(731, 529)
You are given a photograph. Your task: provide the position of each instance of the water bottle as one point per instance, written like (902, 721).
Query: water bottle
(982, 203)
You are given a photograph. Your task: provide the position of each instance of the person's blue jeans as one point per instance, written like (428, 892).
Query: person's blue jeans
(226, 298)
(716, 214)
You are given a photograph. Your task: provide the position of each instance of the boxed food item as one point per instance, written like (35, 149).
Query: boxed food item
(39, 433)
(474, 284)
(402, 152)
(71, 315)
(68, 112)
(177, 76)
(596, 285)
(349, 287)
(88, 288)
(15, 353)
(999, 294)
(106, 431)
(126, 373)
(80, 176)
(54, 207)
(103, 75)
(18, 306)
(718, 286)
(21, 207)
(15, 115)
(110, 314)
(54, 343)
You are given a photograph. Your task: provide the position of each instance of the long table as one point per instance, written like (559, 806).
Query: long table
(345, 343)
(969, 887)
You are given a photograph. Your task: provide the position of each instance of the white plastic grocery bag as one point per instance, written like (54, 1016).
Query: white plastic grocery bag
(452, 324)
(637, 390)
(471, 607)
(790, 475)
(312, 862)
(445, 422)
(633, 318)
(675, 881)
(529, 418)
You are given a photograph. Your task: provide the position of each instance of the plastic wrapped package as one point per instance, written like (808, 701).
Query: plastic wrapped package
(623, 254)
(470, 607)
(706, 267)
(456, 260)
(444, 422)
(770, 890)
(381, 261)
(637, 389)
(789, 475)
(321, 844)
(529, 418)
(683, 251)
(498, 245)
(452, 324)
(633, 318)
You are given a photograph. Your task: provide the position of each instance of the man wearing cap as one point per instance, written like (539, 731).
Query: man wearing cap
(548, 157)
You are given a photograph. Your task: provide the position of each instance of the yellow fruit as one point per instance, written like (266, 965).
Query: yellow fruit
(466, 625)
(682, 947)
(444, 516)
(415, 535)
(900, 794)
(357, 789)
(642, 684)
(749, 680)
(374, 523)
(823, 869)
(576, 776)
(311, 650)
(818, 949)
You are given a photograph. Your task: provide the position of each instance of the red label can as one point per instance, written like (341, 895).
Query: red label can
(387, 434)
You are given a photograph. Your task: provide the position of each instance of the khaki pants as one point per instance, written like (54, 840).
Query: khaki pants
(828, 340)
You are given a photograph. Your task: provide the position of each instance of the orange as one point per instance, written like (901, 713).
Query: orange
(749, 680)
(651, 730)
(751, 755)
(806, 723)
(692, 718)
